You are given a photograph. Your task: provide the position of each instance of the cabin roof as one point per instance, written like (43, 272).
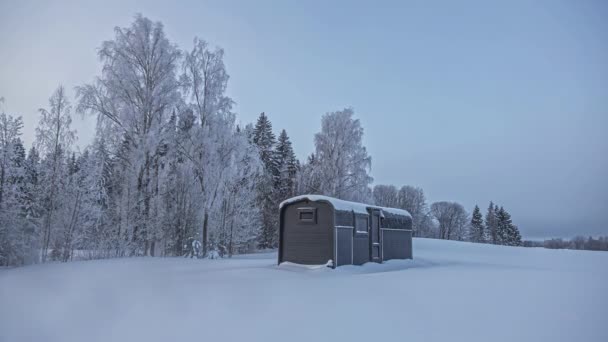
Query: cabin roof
(342, 205)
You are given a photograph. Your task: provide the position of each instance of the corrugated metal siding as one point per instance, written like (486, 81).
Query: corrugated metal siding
(344, 252)
(344, 218)
(361, 249)
(396, 221)
(305, 243)
(397, 244)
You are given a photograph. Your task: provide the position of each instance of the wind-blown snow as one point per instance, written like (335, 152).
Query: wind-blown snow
(342, 205)
(451, 291)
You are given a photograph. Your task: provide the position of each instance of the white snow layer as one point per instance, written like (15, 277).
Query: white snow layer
(451, 291)
(359, 208)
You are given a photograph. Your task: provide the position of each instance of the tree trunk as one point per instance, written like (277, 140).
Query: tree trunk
(205, 222)
(230, 240)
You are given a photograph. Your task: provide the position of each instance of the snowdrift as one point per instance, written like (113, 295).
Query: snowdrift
(451, 291)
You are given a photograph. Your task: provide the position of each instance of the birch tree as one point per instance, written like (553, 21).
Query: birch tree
(452, 218)
(385, 195)
(412, 199)
(54, 137)
(341, 159)
(208, 145)
(135, 95)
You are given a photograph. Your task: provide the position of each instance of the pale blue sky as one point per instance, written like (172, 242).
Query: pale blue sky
(471, 100)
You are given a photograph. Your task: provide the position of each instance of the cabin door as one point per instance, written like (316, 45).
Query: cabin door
(375, 239)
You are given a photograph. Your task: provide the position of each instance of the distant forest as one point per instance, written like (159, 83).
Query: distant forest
(170, 170)
(578, 242)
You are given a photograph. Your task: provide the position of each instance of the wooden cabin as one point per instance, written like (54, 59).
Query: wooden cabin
(317, 230)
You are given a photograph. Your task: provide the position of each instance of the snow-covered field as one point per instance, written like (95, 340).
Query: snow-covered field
(451, 292)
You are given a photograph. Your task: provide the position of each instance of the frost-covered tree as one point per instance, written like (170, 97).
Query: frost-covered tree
(135, 95)
(491, 229)
(413, 200)
(452, 218)
(307, 178)
(477, 229)
(182, 198)
(54, 137)
(97, 233)
(342, 163)
(265, 141)
(69, 226)
(239, 216)
(208, 127)
(32, 202)
(10, 131)
(507, 233)
(386, 195)
(503, 221)
(205, 79)
(119, 186)
(17, 231)
(287, 167)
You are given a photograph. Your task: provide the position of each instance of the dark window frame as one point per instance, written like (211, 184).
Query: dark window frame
(358, 227)
(308, 220)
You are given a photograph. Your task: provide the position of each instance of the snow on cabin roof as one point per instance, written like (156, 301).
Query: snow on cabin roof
(342, 205)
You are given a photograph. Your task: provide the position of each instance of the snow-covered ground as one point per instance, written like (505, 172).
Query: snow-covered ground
(451, 292)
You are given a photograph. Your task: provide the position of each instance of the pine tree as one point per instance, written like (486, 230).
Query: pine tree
(491, 234)
(477, 229)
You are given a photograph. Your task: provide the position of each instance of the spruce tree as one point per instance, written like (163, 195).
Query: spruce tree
(477, 231)
(286, 167)
(32, 175)
(265, 140)
(491, 234)
(510, 235)
(507, 232)
(501, 226)
(515, 236)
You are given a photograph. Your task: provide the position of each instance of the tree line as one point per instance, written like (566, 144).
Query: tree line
(170, 167)
(576, 243)
(450, 220)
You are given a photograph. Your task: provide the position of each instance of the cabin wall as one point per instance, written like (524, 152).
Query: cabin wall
(361, 239)
(396, 237)
(344, 251)
(344, 234)
(396, 244)
(341, 236)
(353, 233)
(309, 243)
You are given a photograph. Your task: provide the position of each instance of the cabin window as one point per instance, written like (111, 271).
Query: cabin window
(361, 224)
(307, 215)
